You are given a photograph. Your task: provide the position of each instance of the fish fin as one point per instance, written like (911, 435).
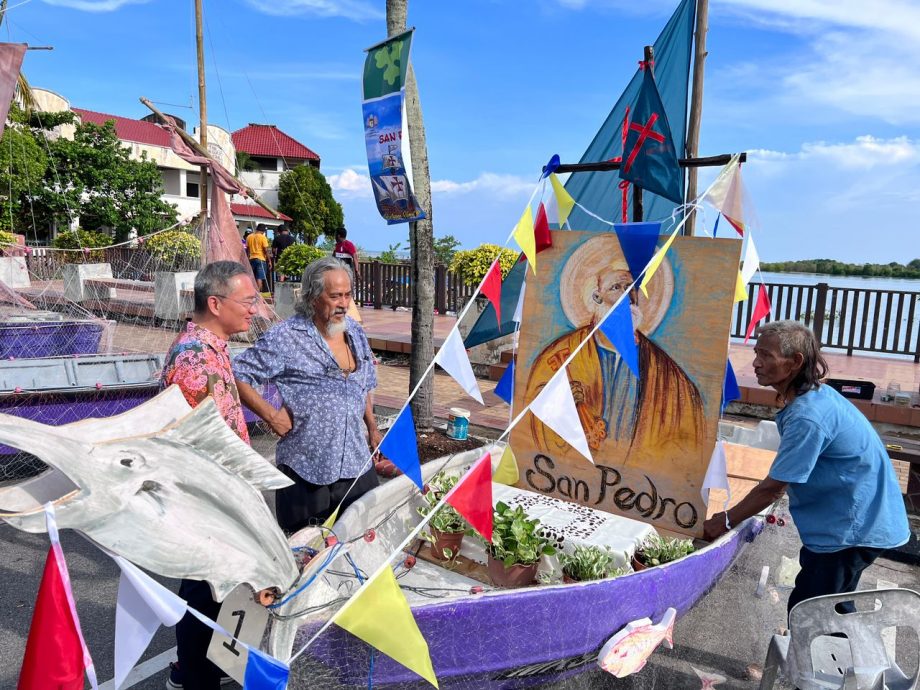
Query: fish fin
(205, 430)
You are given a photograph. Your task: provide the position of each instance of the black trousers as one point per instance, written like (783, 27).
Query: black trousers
(831, 573)
(193, 638)
(304, 504)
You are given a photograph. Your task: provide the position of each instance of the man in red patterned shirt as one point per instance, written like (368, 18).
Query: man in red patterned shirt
(199, 363)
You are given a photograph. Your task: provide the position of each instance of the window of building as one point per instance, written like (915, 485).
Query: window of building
(191, 189)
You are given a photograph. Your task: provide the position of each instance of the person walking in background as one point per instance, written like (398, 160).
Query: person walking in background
(283, 239)
(346, 252)
(258, 247)
(198, 362)
(843, 492)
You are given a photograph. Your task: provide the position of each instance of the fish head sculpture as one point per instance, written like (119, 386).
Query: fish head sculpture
(183, 501)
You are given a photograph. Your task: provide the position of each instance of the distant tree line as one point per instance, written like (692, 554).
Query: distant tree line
(839, 268)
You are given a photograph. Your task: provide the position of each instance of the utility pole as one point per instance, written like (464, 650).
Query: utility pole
(421, 240)
(696, 102)
(203, 109)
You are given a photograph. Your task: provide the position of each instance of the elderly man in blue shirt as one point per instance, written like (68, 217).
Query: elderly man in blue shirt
(323, 366)
(843, 493)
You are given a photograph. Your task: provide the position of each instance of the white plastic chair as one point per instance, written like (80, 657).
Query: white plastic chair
(812, 660)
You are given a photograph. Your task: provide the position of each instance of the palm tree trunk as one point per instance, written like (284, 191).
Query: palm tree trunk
(421, 240)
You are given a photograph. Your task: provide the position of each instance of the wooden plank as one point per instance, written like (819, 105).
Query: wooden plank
(748, 463)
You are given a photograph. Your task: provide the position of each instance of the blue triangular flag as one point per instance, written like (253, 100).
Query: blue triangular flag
(649, 156)
(264, 672)
(401, 447)
(730, 389)
(638, 242)
(505, 387)
(618, 327)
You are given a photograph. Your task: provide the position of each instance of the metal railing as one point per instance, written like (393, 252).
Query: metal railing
(390, 285)
(844, 318)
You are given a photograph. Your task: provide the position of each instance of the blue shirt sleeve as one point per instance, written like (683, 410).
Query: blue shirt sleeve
(802, 442)
(260, 363)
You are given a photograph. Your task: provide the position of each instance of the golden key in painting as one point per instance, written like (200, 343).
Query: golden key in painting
(651, 436)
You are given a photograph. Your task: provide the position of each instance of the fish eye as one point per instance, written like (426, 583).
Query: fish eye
(127, 462)
(130, 459)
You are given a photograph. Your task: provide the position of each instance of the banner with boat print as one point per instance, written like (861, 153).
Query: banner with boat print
(388, 161)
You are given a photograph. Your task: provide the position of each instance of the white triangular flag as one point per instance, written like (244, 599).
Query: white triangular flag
(519, 309)
(716, 474)
(453, 359)
(143, 606)
(555, 407)
(751, 260)
(552, 207)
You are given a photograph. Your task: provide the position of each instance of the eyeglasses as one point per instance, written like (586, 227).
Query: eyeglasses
(250, 303)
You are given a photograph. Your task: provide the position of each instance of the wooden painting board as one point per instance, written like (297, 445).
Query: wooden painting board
(651, 439)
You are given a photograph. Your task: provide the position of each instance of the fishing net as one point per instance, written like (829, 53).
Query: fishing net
(83, 332)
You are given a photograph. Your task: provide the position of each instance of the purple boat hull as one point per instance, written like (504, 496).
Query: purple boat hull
(536, 635)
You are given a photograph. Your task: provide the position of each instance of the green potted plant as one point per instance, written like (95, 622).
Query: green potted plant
(447, 526)
(518, 543)
(589, 563)
(657, 550)
(173, 250)
(296, 258)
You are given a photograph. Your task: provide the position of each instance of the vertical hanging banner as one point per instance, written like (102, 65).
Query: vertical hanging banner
(388, 162)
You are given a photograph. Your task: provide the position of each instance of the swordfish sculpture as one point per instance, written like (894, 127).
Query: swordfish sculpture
(175, 494)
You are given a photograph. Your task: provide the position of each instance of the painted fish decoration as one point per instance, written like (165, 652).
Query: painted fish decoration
(180, 501)
(628, 651)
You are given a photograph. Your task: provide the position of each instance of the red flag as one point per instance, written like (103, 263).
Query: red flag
(761, 309)
(472, 497)
(541, 230)
(492, 288)
(54, 653)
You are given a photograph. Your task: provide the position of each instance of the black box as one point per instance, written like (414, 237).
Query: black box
(853, 388)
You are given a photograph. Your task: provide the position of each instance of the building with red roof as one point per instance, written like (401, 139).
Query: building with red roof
(269, 152)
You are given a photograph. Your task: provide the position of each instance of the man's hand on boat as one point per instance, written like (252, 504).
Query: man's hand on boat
(765, 494)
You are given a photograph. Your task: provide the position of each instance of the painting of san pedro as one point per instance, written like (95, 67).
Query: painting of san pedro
(651, 436)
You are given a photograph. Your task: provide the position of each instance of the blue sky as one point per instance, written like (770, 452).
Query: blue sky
(824, 94)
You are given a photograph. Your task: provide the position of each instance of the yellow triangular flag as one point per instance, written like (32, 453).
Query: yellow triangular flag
(523, 235)
(379, 614)
(564, 200)
(330, 521)
(741, 292)
(656, 261)
(507, 470)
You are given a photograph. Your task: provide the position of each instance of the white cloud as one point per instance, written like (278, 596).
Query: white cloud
(349, 9)
(860, 58)
(494, 184)
(95, 5)
(350, 183)
(864, 153)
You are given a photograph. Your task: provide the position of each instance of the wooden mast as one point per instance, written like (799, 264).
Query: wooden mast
(696, 101)
(203, 110)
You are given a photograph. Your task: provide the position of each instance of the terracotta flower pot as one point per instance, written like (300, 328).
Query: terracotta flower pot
(445, 540)
(638, 565)
(516, 576)
(568, 579)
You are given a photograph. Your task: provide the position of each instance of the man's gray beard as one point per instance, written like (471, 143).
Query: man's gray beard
(335, 327)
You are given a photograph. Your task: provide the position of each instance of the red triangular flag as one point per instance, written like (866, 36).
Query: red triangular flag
(492, 288)
(541, 234)
(54, 653)
(761, 309)
(472, 497)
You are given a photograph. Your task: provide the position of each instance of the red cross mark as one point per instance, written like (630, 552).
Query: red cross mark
(397, 184)
(646, 131)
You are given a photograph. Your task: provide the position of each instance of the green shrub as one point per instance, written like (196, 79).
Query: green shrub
(590, 563)
(6, 239)
(473, 264)
(296, 258)
(656, 549)
(174, 250)
(82, 239)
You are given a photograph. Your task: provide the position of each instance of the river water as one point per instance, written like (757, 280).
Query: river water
(870, 283)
